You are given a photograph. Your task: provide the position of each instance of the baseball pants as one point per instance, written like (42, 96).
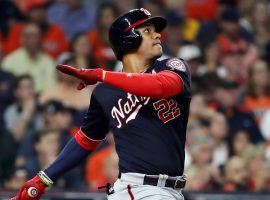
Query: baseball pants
(130, 187)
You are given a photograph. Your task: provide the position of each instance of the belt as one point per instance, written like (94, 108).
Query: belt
(177, 182)
(172, 182)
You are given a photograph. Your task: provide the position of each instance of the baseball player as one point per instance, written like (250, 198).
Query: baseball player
(146, 106)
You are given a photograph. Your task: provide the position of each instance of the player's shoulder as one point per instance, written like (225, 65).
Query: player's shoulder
(172, 63)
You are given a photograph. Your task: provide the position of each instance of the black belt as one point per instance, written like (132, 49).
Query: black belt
(175, 183)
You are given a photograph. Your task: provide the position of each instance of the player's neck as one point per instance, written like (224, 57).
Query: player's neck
(135, 64)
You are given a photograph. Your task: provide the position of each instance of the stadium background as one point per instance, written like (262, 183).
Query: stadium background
(225, 42)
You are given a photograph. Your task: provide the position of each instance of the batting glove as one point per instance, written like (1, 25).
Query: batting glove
(88, 76)
(34, 188)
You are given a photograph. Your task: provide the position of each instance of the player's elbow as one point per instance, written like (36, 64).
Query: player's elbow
(171, 91)
(170, 87)
(166, 91)
(158, 93)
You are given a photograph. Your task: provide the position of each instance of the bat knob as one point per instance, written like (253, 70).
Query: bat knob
(32, 192)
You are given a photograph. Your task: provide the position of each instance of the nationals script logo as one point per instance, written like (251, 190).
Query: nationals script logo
(128, 110)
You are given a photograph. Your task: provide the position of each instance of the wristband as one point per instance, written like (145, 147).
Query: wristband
(46, 180)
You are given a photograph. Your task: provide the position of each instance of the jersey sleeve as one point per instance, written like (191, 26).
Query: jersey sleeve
(95, 124)
(179, 67)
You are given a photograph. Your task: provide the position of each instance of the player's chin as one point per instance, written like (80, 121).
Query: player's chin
(158, 54)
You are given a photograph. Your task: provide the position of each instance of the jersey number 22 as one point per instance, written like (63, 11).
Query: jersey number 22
(167, 109)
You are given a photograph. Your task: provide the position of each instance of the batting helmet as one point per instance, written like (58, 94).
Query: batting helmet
(123, 35)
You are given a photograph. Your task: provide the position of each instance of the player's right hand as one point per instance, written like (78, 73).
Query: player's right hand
(87, 76)
(31, 190)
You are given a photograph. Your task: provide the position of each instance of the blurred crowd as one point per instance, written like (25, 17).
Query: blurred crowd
(225, 42)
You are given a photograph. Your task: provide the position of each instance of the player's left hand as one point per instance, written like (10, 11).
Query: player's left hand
(88, 76)
(31, 190)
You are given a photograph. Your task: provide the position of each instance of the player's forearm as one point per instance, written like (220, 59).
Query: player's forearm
(161, 85)
(70, 156)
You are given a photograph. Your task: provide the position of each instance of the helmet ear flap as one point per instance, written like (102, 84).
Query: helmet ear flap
(131, 40)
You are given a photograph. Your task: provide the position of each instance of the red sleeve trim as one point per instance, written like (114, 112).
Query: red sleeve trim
(86, 142)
